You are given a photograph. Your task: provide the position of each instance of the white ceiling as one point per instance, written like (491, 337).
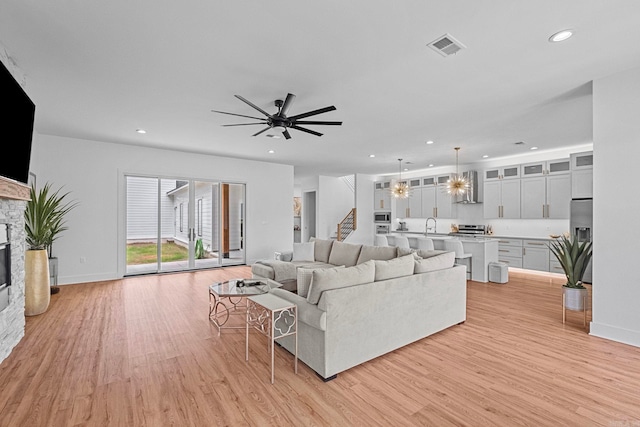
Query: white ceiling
(101, 69)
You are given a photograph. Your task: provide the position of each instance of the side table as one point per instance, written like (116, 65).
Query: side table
(275, 318)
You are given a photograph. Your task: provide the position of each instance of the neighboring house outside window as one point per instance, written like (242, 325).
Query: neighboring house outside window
(181, 217)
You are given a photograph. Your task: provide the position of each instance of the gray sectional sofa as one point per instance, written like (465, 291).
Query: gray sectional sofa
(364, 301)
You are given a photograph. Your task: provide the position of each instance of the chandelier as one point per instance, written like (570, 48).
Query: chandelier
(458, 184)
(401, 189)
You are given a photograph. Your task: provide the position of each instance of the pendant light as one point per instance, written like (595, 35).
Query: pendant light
(458, 184)
(401, 189)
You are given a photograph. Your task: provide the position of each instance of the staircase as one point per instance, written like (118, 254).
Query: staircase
(347, 226)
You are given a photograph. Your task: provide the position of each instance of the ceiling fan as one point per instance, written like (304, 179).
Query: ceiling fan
(279, 121)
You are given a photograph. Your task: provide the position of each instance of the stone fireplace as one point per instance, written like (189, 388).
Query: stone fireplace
(13, 197)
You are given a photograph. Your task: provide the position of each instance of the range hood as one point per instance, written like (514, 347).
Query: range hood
(470, 196)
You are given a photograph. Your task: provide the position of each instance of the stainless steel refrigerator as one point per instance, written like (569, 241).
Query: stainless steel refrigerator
(581, 225)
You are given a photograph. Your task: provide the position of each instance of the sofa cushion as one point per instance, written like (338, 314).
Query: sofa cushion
(303, 251)
(422, 253)
(397, 267)
(376, 252)
(405, 251)
(344, 254)
(334, 278)
(306, 274)
(322, 249)
(435, 262)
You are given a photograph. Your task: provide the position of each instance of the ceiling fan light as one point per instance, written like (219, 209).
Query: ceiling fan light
(279, 128)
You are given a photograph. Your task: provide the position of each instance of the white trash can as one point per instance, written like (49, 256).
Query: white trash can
(498, 272)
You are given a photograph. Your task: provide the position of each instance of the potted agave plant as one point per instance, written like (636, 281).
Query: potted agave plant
(44, 221)
(574, 256)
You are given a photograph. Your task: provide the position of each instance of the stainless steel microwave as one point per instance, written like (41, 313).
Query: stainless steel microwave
(382, 217)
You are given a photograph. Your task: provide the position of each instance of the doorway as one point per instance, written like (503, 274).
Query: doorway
(182, 224)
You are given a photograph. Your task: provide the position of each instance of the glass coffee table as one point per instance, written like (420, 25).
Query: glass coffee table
(227, 298)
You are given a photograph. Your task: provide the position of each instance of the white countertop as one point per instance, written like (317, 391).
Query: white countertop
(469, 238)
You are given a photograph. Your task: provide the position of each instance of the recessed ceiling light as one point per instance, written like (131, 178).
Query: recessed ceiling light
(485, 156)
(141, 131)
(533, 148)
(561, 36)
(429, 142)
(431, 165)
(406, 169)
(271, 151)
(372, 155)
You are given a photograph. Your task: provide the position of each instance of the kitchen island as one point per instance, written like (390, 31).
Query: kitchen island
(483, 250)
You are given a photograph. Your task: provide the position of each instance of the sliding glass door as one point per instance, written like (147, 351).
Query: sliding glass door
(180, 224)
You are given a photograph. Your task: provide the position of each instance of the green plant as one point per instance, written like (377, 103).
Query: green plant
(44, 216)
(574, 256)
(199, 249)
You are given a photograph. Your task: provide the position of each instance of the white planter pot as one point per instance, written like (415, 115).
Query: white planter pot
(574, 299)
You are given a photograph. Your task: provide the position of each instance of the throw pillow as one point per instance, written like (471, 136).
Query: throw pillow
(436, 262)
(334, 278)
(397, 267)
(303, 252)
(322, 250)
(304, 279)
(344, 254)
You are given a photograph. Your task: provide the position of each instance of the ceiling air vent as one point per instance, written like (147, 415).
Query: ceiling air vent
(446, 45)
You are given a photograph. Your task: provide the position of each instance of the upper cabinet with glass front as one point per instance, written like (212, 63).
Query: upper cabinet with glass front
(582, 175)
(382, 196)
(549, 167)
(503, 172)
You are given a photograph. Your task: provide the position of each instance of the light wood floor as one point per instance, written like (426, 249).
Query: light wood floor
(142, 352)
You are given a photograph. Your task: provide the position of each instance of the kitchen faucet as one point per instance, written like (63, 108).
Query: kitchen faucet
(426, 225)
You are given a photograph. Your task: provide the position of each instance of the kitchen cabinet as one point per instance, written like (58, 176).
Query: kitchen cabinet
(502, 199)
(510, 252)
(546, 196)
(503, 172)
(582, 175)
(535, 255)
(548, 167)
(382, 196)
(411, 207)
(435, 200)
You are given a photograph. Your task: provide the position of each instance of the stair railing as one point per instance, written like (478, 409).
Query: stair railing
(347, 226)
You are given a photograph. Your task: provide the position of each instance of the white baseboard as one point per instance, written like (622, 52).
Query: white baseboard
(625, 336)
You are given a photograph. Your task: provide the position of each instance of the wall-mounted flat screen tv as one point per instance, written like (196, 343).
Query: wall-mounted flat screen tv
(16, 128)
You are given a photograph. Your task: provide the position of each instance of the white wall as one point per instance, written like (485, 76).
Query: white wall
(364, 205)
(335, 200)
(616, 134)
(93, 173)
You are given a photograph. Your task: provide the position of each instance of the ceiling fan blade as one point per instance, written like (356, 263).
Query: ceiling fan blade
(253, 105)
(263, 130)
(286, 134)
(287, 103)
(239, 115)
(243, 124)
(312, 132)
(313, 122)
(312, 113)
